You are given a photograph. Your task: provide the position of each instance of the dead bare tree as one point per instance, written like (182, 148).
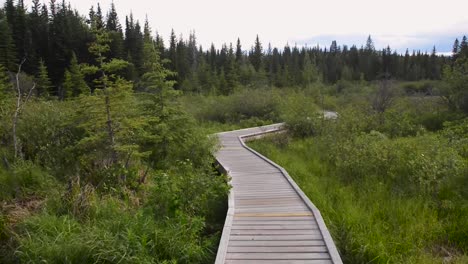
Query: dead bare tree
(20, 103)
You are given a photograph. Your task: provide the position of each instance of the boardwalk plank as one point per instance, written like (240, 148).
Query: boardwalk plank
(280, 249)
(276, 243)
(271, 261)
(288, 256)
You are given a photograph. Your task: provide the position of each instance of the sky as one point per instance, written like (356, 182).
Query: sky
(401, 24)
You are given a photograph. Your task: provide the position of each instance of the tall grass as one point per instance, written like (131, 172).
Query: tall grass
(370, 220)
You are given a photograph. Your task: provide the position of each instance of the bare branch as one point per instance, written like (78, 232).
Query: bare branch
(19, 106)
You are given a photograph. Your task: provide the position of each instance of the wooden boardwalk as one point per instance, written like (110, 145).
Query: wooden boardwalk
(269, 219)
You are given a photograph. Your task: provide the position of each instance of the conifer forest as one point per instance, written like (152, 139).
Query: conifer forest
(106, 146)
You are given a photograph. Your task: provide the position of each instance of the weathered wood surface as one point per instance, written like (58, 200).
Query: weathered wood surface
(269, 220)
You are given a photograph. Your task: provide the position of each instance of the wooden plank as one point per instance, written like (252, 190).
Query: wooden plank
(288, 256)
(273, 227)
(280, 249)
(270, 210)
(272, 214)
(276, 243)
(239, 218)
(270, 222)
(265, 232)
(275, 261)
(275, 237)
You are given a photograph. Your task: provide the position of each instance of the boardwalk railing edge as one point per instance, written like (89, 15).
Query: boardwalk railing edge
(223, 245)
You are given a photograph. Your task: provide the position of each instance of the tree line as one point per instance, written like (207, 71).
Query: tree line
(53, 39)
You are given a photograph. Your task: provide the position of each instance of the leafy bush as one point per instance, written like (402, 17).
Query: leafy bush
(244, 105)
(23, 180)
(301, 115)
(414, 165)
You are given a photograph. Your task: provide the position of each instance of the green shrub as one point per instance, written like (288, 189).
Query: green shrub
(302, 116)
(23, 180)
(413, 165)
(244, 105)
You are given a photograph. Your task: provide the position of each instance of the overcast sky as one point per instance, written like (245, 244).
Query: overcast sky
(413, 24)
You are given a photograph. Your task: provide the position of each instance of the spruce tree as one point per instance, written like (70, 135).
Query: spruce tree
(230, 69)
(99, 19)
(7, 46)
(455, 50)
(115, 33)
(238, 52)
(67, 86)
(309, 72)
(76, 85)
(257, 54)
(172, 53)
(43, 82)
(464, 47)
(111, 96)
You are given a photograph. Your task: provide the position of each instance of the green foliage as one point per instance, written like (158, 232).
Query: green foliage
(302, 115)
(24, 180)
(74, 83)
(57, 238)
(188, 190)
(44, 85)
(48, 135)
(5, 84)
(239, 107)
(455, 91)
(7, 46)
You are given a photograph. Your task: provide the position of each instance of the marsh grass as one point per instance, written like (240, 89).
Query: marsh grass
(369, 221)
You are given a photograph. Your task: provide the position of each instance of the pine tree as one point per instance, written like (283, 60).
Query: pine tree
(134, 43)
(455, 50)
(160, 46)
(369, 45)
(257, 55)
(38, 28)
(43, 81)
(113, 92)
(239, 52)
(67, 86)
(230, 69)
(115, 33)
(7, 46)
(113, 23)
(99, 19)
(76, 85)
(172, 53)
(464, 47)
(309, 72)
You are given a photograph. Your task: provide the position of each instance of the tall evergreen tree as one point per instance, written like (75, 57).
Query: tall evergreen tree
(464, 47)
(309, 72)
(115, 33)
(43, 82)
(7, 45)
(257, 54)
(76, 84)
(238, 52)
(172, 53)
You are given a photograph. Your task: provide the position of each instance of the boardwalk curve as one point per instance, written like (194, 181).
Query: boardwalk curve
(269, 220)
